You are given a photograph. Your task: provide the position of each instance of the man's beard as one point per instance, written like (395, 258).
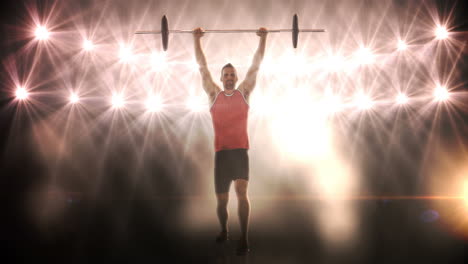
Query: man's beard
(229, 86)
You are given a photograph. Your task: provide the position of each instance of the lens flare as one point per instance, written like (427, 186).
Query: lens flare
(364, 56)
(158, 61)
(402, 99)
(125, 54)
(331, 103)
(154, 104)
(197, 103)
(74, 98)
(402, 45)
(441, 93)
(118, 101)
(42, 33)
(21, 93)
(364, 102)
(441, 32)
(88, 45)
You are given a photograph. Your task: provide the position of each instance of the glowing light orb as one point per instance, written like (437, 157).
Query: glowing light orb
(125, 54)
(262, 104)
(441, 93)
(88, 45)
(364, 102)
(74, 98)
(441, 32)
(21, 93)
(118, 101)
(158, 61)
(42, 33)
(197, 103)
(364, 56)
(154, 104)
(402, 45)
(402, 99)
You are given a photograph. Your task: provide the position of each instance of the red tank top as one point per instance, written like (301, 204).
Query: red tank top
(229, 114)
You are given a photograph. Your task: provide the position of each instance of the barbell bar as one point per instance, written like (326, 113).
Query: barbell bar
(165, 31)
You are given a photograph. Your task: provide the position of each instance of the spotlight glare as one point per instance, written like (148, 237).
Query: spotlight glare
(364, 102)
(197, 103)
(401, 99)
(441, 32)
(364, 56)
(331, 103)
(193, 65)
(125, 54)
(154, 104)
(441, 93)
(21, 93)
(74, 98)
(117, 101)
(294, 63)
(334, 63)
(88, 45)
(42, 33)
(158, 61)
(402, 45)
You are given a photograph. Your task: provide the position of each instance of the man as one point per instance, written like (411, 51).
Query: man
(229, 111)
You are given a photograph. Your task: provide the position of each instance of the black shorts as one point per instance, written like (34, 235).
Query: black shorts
(230, 165)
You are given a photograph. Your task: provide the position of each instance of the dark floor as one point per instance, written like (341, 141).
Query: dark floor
(130, 231)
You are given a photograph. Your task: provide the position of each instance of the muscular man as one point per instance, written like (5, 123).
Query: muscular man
(229, 111)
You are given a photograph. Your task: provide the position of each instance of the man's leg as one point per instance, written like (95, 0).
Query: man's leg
(243, 212)
(223, 215)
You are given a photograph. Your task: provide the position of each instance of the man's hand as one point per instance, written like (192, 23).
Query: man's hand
(198, 32)
(262, 32)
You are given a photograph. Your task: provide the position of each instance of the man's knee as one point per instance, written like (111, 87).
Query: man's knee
(222, 198)
(241, 189)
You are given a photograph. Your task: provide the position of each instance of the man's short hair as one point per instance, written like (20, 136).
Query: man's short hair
(229, 65)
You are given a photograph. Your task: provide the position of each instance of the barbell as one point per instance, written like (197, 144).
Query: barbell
(165, 31)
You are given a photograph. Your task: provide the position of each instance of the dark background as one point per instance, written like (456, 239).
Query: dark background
(89, 231)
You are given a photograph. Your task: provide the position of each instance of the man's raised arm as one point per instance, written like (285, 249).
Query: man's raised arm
(209, 85)
(248, 84)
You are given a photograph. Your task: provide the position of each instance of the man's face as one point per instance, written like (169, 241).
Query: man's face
(229, 78)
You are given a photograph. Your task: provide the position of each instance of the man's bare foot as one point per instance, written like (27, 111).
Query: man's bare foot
(222, 237)
(242, 247)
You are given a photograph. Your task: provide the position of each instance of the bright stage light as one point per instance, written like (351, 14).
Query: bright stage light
(441, 93)
(301, 132)
(197, 103)
(402, 45)
(364, 102)
(21, 93)
(88, 45)
(42, 33)
(441, 32)
(401, 99)
(294, 63)
(158, 61)
(335, 63)
(74, 98)
(154, 104)
(125, 54)
(331, 103)
(117, 100)
(193, 65)
(364, 56)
